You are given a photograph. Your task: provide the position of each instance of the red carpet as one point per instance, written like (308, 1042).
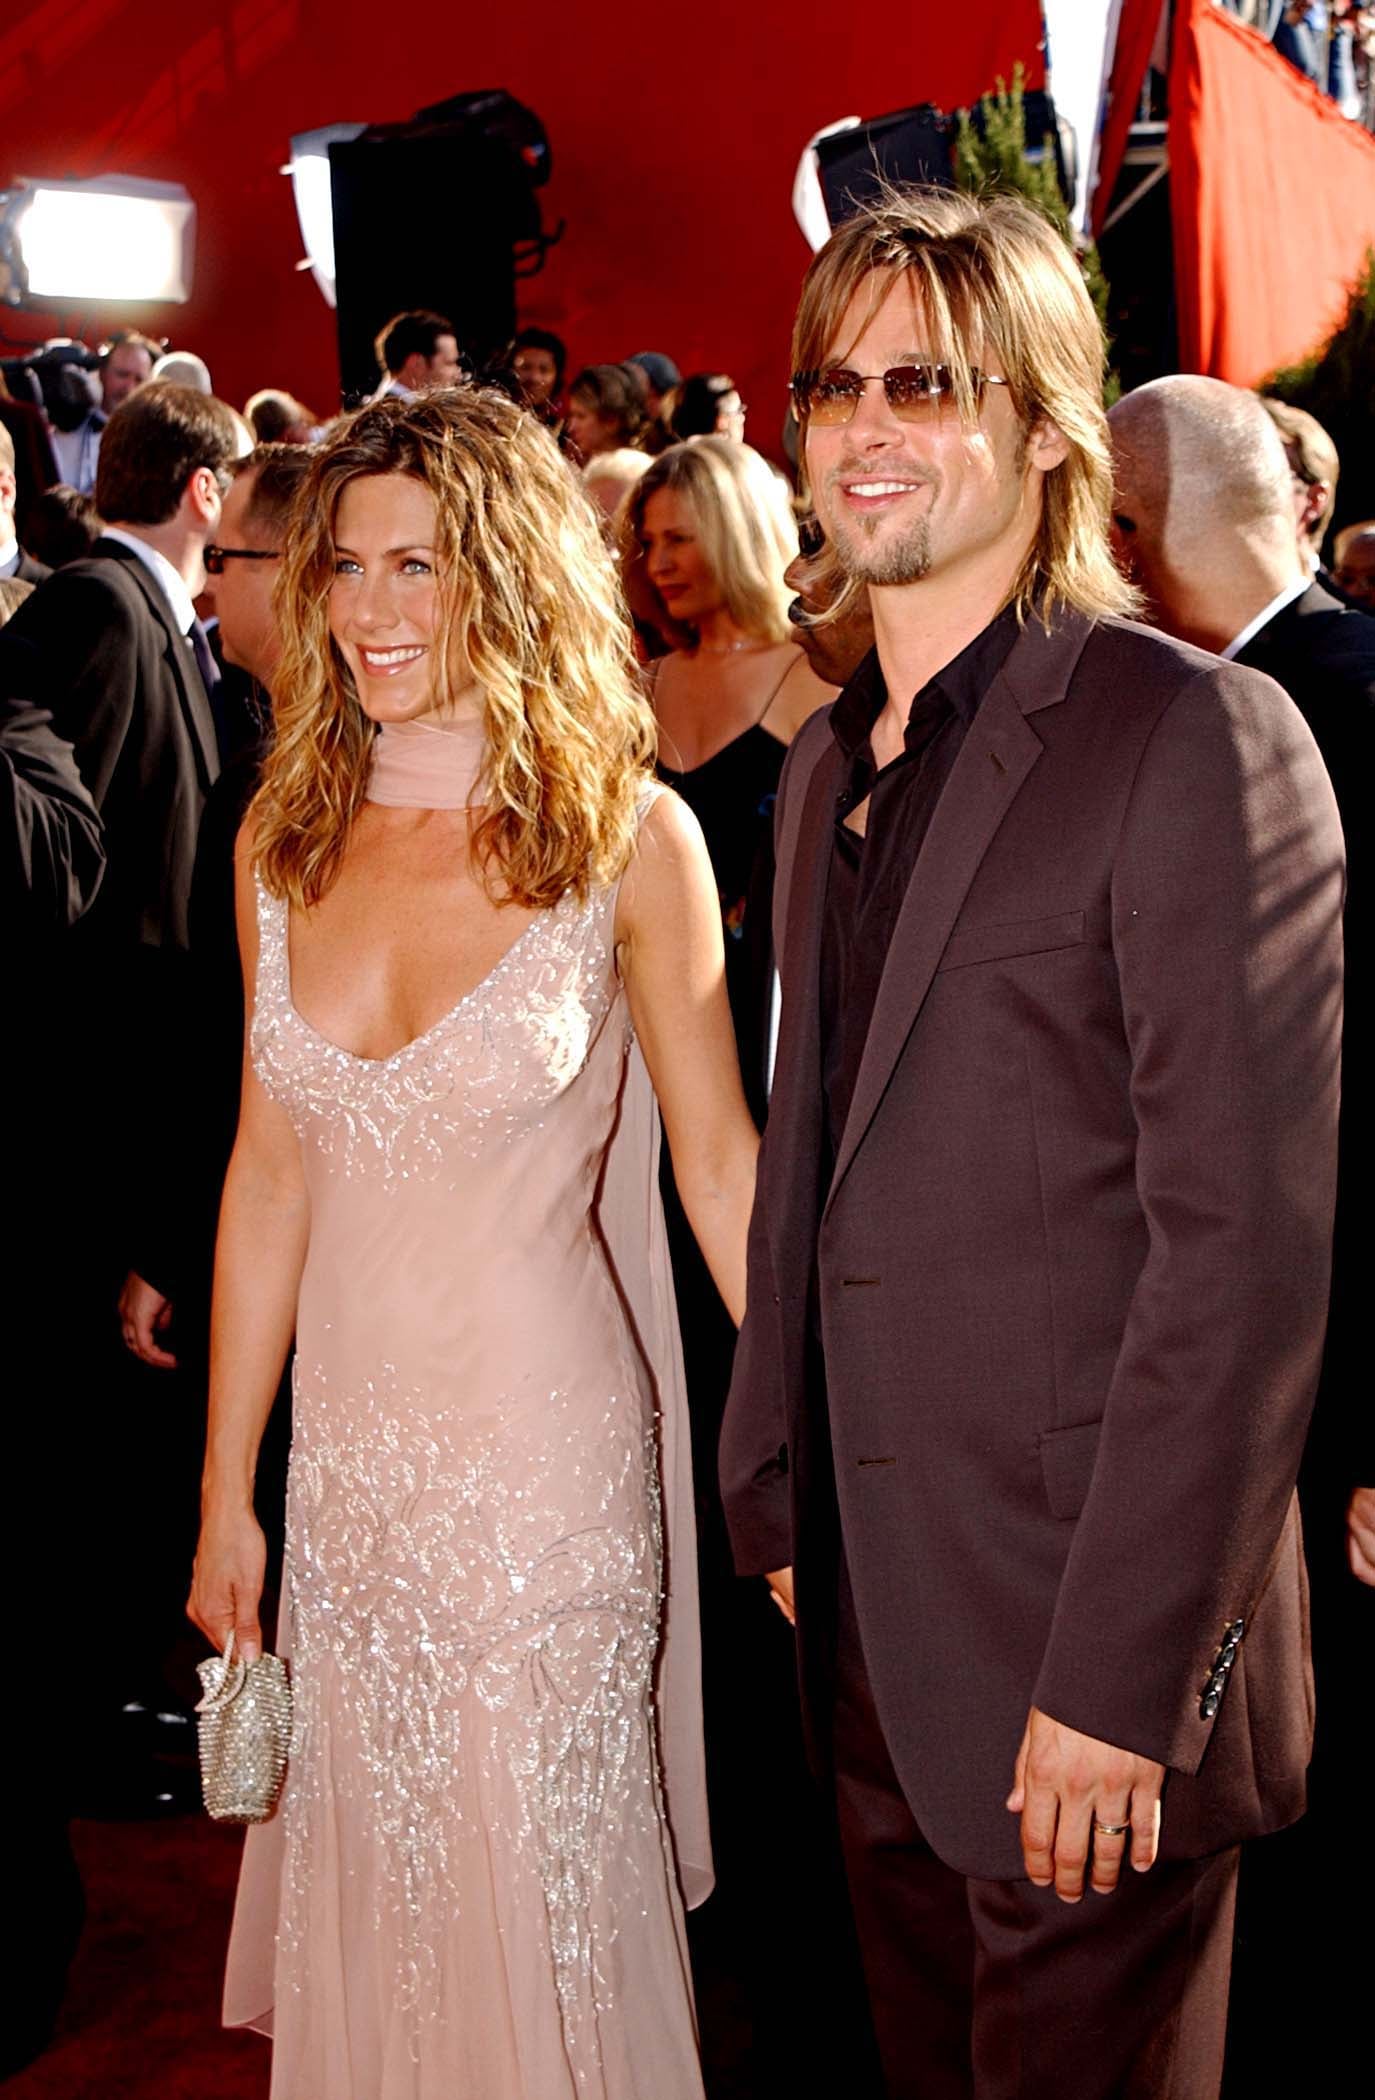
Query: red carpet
(141, 2017)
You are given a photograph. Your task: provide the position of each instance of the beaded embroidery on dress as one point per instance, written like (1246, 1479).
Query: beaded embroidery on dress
(472, 1886)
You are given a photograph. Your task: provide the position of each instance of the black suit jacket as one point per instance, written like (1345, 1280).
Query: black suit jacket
(1322, 652)
(51, 851)
(30, 571)
(1070, 1271)
(98, 647)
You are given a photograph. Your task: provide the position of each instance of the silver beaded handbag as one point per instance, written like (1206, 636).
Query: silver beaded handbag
(245, 1731)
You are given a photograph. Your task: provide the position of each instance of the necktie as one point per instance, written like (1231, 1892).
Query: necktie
(205, 659)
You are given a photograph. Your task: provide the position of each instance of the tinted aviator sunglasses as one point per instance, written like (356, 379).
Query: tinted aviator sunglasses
(216, 557)
(913, 392)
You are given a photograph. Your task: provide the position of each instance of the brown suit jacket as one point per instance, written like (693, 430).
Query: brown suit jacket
(1070, 1272)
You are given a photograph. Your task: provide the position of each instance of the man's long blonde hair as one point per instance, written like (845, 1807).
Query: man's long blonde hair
(994, 281)
(529, 610)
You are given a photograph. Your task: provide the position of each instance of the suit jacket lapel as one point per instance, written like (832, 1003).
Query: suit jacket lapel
(999, 751)
(795, 1128)
(191, 693)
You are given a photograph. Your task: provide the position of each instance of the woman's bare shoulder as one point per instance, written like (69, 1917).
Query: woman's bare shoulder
(800, 693)
(667, 863)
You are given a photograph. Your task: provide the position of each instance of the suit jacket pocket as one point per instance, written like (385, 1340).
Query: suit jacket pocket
(1067, 1457)
(979, 944)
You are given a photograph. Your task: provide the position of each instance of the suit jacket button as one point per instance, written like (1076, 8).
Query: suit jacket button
(1235, 1630)
(1228, 1656)
(1210, 1704)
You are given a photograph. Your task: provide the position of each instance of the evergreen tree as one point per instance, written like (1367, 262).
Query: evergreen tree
(1336, 383)
(991, 157)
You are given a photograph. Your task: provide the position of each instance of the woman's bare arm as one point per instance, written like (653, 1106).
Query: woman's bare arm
(669, 941)
(259, 1253)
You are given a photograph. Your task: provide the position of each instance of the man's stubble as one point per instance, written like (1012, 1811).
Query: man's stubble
(904, 559)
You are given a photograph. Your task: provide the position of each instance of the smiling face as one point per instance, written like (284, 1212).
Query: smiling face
(384, 608)
(674, 560)
(906, 500)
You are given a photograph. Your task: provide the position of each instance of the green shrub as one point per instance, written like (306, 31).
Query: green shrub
(1336, 383)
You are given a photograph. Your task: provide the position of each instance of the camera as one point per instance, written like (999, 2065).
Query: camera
(60, 378)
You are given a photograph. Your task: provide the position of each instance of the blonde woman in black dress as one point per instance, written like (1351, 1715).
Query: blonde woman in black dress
(706, 536)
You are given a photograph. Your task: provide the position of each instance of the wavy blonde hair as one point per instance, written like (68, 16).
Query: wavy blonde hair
(992, 276)
(529, 609)
(744, 526)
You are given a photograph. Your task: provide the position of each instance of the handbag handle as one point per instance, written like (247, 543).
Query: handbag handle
(231, 1681)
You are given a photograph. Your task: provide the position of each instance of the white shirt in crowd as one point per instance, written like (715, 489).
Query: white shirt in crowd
(173, 588)
(1267, 613)
(77, 453)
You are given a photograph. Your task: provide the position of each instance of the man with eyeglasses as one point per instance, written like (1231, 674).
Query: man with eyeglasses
(112, 648)
(1039, 1260)
(836, 636)
(242, 562)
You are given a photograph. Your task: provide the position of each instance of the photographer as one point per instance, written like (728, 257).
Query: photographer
(125, 362)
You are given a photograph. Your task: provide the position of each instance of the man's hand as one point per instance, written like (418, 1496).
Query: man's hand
(1360, 1535)
(781, 1590)
(144, 1314)
(1065, 1788)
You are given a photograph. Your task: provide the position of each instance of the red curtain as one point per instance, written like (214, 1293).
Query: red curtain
(1136, 31)
(1272, 195)
(673, 150)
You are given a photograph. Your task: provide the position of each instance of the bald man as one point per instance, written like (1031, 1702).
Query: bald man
(1204, 521)
(1354, 567)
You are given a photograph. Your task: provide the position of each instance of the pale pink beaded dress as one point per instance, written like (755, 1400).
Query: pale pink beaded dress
(471, 1890)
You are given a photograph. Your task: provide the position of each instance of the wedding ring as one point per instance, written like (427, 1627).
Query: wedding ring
(1110, 1830)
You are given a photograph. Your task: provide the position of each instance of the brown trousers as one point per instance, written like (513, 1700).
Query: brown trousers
(996, 1990)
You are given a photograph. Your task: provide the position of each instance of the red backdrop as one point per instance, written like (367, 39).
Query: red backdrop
(1137, 26)
(674, 150)
(1273, 200)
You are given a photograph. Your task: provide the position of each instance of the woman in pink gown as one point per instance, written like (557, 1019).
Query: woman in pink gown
(473, 931)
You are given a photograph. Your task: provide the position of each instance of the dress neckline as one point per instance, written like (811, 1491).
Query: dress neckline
(428, 765)
(416, 1043)
(751, 729)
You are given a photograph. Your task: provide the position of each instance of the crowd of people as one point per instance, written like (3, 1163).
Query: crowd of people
(407, 812)
(1330, 42)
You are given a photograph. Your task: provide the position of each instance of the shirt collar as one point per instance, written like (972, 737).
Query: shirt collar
(9, 555)
(173, 588)
(962, 683)
(1264, 617)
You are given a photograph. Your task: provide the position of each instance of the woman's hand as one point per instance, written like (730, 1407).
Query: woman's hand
(672, 956)
(227, 1584)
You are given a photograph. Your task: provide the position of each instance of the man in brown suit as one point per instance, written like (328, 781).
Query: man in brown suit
(1039, 1260)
